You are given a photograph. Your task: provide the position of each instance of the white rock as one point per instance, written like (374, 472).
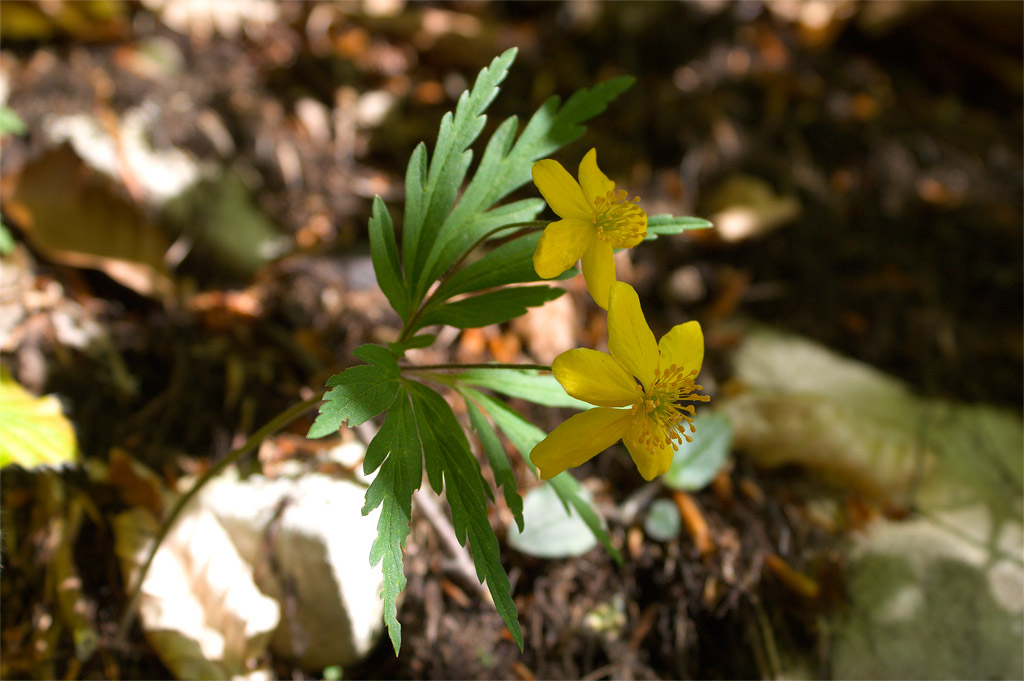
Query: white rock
(309, 545)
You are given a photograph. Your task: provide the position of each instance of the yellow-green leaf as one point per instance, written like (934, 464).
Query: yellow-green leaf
(33, 430)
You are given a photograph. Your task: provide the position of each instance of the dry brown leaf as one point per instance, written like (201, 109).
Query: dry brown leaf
(78, 217)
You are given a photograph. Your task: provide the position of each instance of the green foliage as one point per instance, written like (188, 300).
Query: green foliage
(11, 123)
(397, 452)
(33, 430)
(695, 464)
(445, 445)
(669, 225)
(498, 460)
(528, 385)
(428, 276)
(360, 393)
(492, 307)
(663, 521)
(524, 436)
(552, 530)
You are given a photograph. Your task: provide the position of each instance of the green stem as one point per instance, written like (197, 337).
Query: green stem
(482, 365)
(410, 326)
(275, 424)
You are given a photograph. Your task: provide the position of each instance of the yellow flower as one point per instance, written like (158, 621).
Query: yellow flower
(653, 379)
(596, 219)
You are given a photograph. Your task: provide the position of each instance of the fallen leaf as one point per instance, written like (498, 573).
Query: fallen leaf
(33, 430)
(76, 216)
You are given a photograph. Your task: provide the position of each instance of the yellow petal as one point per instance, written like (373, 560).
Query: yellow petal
(561, 245)
(651, 462)
(599, 270)
(562, 193)
(595, 377)
(683, 346)
(592, 180)
(629, 337)
(578, 439)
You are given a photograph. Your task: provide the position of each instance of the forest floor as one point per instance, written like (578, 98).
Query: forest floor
(885, 153)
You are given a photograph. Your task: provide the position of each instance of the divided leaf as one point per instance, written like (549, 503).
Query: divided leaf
(466, 490)
(505, 167)
(533, 386)
(356, 395)
(668, 225)
(384, 256)
(524, 435)
(431, 194)
(396, 451)
(488, 308)
(496, 456)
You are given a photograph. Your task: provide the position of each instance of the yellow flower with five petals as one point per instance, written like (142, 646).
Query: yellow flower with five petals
(653, 379)
(596, 219)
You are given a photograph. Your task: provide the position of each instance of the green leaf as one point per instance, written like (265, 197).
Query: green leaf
(466, 491)
(493, 307)
(510, 263)
(667, 225)
(384, 255)
(356, 395)
(552, 529)
(696, 463)
(505, 167)
(11, 123)
(6, 240)
(33, 430)
(379, 356)
(396, 450)
(663, 521)
(431, 195)
(421, 341)
(500, 465)
(524, 436)
(533, 386)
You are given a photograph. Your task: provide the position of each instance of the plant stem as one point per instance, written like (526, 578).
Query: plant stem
(528, 228)
(275, 424)
(482, 365)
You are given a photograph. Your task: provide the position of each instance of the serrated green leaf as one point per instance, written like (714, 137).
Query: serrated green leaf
(384, 255)
(488, 308)
(696, 463)
(667, 225)
(356, 395)
(533, 386)
(505, 168)
(33, 430)
(379, 356)
(524, 436)
(437, 189)
(466, 492)
(396, 450)
(510, 263)
(496, 456)
(552, 529)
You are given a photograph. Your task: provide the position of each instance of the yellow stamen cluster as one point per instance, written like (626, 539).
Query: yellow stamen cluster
(659, 411)
(620, 221)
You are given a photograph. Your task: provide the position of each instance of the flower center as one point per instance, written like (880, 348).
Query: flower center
(663, 418)
(620, 221)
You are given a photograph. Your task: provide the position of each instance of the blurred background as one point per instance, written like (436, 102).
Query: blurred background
(185, 192)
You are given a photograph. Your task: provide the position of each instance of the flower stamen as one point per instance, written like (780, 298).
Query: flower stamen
(619, 221)
(662, 417)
